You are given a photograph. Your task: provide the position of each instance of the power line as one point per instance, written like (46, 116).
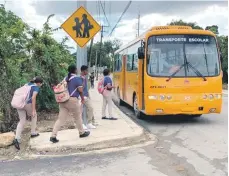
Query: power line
(99, 12)
(104, 12)
(128, 5)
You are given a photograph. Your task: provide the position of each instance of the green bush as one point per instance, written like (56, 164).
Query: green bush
(25, 53)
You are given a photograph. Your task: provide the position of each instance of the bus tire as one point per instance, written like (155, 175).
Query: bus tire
(120, 102)
(137, 113)
(196, 116)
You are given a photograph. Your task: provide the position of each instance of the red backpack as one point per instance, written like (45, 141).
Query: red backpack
(101, 87)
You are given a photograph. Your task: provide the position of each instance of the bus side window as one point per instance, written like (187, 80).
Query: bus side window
(115, 65)
(120, 63)
(129, 63)
(135, 62)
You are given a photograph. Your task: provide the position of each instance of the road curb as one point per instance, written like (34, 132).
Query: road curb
(135, 139)
(136, 135)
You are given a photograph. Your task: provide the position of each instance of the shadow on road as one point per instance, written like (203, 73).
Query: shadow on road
(165, 119)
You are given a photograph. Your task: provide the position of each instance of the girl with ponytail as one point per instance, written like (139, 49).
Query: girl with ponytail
(72, 106)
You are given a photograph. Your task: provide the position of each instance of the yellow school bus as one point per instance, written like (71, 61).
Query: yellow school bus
(170, 70)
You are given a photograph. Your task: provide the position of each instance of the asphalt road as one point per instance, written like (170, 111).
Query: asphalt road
(201, 145)
(185, 148)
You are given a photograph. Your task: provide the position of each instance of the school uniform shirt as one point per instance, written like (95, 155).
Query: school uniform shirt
(107, 80)
(73, 84)
(34, 88)
(85, 87)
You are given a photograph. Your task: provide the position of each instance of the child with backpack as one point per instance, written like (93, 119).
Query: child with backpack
(105, 87)
(69, 103)
(24, 100)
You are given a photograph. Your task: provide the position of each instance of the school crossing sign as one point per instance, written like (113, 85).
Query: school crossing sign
(81, 26)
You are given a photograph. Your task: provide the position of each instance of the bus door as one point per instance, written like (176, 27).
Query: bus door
(124, 78)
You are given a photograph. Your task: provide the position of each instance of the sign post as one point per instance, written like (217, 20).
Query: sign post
(81, 27)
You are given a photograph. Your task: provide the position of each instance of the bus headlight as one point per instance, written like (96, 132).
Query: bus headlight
(162, 97)
(217, 96)
(152, 97)
(211, 97)
(169, 97)
(205, 97)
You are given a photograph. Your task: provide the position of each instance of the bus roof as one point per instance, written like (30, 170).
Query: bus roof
(164, 29)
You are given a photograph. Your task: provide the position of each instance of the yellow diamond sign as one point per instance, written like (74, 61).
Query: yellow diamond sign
(81, 26)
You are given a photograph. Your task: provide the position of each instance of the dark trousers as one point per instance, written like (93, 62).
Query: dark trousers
(92, 84)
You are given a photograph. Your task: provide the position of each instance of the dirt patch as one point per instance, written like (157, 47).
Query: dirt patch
(45, 124)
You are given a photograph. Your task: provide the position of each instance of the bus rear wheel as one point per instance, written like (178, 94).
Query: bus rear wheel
(137, 113)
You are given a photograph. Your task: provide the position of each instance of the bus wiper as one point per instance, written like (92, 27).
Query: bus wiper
(172, 75)
(197, 71)
(206, 60)
(187, 64)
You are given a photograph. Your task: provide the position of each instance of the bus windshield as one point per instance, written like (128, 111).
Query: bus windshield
(167, 53)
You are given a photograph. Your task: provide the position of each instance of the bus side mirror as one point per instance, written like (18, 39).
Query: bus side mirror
(141, 54)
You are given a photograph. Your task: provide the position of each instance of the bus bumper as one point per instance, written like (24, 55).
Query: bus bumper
(186, 107)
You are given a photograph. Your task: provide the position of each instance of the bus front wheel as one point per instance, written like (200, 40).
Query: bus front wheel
(137, 113)
(120, 102)
(196, 116)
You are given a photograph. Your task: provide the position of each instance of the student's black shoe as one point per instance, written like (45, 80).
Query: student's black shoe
(85, 134)
(113, 118)
(16, 144)
(105, 118)
(35, 135)
(54, 139)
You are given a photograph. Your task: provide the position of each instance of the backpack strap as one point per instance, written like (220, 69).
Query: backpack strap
(73, 91)
(27, 97)
(75, 88)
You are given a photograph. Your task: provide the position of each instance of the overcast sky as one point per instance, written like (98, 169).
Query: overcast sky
(152, 13)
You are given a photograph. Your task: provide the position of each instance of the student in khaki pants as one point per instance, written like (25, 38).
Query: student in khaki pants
(72, 105)
(30, 111)
(107, 96)
(88, 103)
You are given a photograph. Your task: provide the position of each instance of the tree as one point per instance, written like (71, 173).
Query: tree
(223, 43)
(213, 28)
(24, 53)
(107, 52)
(182, 23)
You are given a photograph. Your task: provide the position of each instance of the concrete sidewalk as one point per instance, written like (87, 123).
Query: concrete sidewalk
(225, 92)
(108, 134)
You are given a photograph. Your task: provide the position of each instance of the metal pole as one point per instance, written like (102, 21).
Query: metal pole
(100, 48)
(96, 66)
(81, 52)
(82, 59)
(90, 54)
(138, 23)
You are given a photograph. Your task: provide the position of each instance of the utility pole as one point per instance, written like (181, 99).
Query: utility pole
(90, 54)
(138, 22)
(100, 48)
(96, 63)
(81, 52)
(82, 60)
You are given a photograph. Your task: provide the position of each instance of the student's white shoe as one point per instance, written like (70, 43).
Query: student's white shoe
(85, 128)
(90, 126)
